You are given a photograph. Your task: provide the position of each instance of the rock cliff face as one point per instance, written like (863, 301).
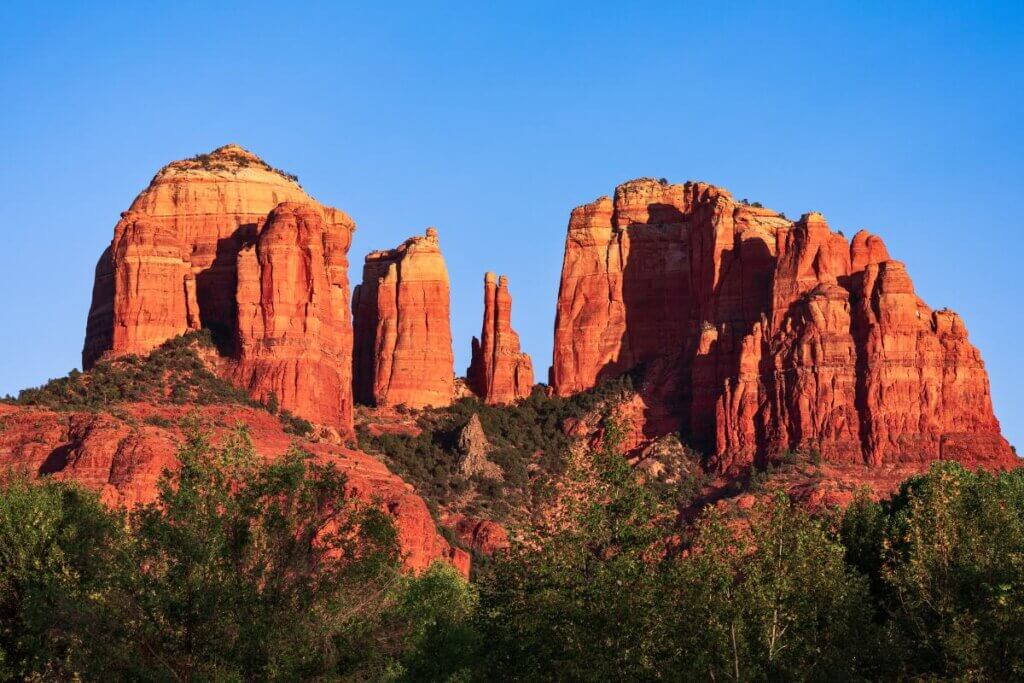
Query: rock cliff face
(199, 211)
(499, 371)
(123, 461)
(403, 339)
(757, 335)
(294, 331)
(173, 266)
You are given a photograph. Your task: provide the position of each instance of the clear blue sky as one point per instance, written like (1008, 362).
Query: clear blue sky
(492, 123)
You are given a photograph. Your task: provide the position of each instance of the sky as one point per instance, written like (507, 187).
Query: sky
(491, 121)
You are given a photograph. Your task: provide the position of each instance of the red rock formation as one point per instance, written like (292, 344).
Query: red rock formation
(758, 335)
(481, 535)
(499, 372)
(200, 210)
(294, 327)
(123, 462)
(173, 267)
(150, 267)
(403, 339)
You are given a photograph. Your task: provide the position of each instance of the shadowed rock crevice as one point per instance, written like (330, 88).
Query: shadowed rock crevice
(760, 335)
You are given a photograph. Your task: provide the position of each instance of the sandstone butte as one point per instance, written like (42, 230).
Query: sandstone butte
(174, 266)
(402, 352)
(123, 461)
(755, 335)
(499, 372)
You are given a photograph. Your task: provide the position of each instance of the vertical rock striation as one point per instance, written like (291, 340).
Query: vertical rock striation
(294, 327)
(499, 372)
(207, 208)
(403, 339)
(758, 335)
(173, 266)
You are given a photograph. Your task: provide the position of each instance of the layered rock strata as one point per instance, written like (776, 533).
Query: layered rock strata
(403, 341)
(192, 220)
(499, 372)
(758, 335)
(294, 335)
(174, 266)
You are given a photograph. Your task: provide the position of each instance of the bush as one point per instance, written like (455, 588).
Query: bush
(171, 373)
(240, 570)
(295, 425)
(526, 433)
(158, 421)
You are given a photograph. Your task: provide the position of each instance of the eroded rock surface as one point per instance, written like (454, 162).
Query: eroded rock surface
(294, 331)
(473, 447)
(403, 338)
(193, 219)
(173, 266)
(122, 458)
(499, 371)
(757, 335)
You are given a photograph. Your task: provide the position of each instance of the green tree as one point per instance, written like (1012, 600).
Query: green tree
(582, 602)
(951, 572)
(434, 620)
(769, 597)
(60, 553)
(256, 570)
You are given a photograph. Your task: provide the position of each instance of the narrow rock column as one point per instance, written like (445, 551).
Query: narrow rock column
(499, 371)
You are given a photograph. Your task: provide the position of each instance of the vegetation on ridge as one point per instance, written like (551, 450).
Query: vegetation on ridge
(528, 442)
(173, 373)
(246, 570)
(224, 159)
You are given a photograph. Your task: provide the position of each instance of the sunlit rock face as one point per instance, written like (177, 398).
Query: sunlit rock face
(176, 264)
(403, 339)
(499, 372)
(754, 334)
(294, 331)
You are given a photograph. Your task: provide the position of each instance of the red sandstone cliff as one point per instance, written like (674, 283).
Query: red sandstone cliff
(294, 335)
(122, 457)
(759, 335)
(173, 267)
(499, 372)
(403, 339)
(201, 211)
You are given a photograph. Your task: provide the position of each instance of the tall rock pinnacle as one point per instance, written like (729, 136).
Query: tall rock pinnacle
(499, 371)
(294, 326)
(403, 339)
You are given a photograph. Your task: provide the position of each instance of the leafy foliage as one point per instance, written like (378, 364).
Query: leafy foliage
(57, 543)
(171, 373)
(245, 570)
(526, 436)
(582, 601)
(240, 571)
(946, 559)
(770, 598)
(604, 597)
